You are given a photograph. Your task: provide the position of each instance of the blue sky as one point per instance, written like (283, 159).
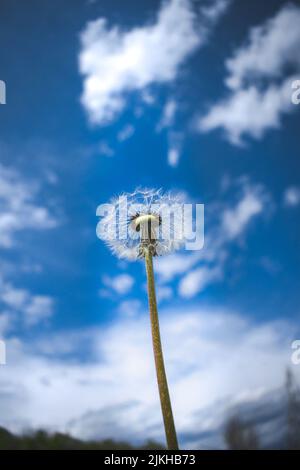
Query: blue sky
(103, 97)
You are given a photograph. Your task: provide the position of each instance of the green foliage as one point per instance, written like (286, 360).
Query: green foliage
(41, 440)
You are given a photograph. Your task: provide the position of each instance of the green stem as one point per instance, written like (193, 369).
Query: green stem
(159, 360)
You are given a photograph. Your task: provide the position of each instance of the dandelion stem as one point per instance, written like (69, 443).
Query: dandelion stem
(165, 401)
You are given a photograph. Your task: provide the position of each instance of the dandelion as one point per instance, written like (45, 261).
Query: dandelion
(143, 225)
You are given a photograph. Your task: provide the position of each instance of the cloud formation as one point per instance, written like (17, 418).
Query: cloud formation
(125, 133)
(196, 281)
(120, 284)
(19, 206)
(292, 196)
(21, 303)
(21, 211)
(197, 270)
(259, 80)
(223, 357)
(114, 61)
(236, 219)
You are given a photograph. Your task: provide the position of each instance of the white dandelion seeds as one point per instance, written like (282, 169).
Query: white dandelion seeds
(144, 217)
(144, 224)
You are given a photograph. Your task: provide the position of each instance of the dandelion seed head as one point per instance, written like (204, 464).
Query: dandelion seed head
(146, 218)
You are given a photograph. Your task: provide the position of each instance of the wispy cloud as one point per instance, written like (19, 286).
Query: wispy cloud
(292, 196)
(258, 82)
(212, 11)
(163, 293)
(40, 308)
(168, 267)
(175, 141)
(22, 212)
(236, 219)
(20, 207)
(24, 306)
(105, 149)
(121, 284)
(168, 115)
(125, 133)
(130, 308)
(196, 281)
(174, 137)
(227, 226)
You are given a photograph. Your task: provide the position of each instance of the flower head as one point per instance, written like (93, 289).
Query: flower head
(145, 219)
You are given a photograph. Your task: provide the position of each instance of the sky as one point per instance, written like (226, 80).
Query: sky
(103, 97)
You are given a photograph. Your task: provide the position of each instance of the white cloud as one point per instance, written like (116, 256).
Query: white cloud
(271, 48)
(121, 284)
(20, 210)
(167, 267)
(125, 133)
(214, 10)
(163, 293)
(130, 308)
(258, 80)
(114, 62)
(147, 97)
(249, 111)
(175, 144)
(5, 323)
(228, 224)
(174, 138)
(30, 308)
(19, 207)
(13, 297)
(173, 156)
(292, 196)
(168, 115)
(196, 280)
(105, 149)
(40, 308)
(237, 218)
(134, 59)
(222, 356)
